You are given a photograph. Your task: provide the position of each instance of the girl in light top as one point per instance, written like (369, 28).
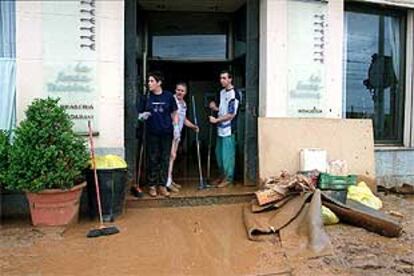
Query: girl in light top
(180, 92)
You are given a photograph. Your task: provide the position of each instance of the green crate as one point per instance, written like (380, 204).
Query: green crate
(332, 182)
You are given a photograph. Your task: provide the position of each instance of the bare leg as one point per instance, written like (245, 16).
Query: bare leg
(173, 155)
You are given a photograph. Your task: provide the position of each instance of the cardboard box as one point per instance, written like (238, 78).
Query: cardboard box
(313, 159)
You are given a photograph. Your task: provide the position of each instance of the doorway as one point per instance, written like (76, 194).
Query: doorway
(202, 79)
(192, 44)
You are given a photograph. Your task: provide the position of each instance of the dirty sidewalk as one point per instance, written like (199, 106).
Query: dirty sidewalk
(197, 241)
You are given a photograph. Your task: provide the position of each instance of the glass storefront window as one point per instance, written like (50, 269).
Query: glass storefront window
(374, 73)
(189, 46)
(7, 65)
(195, 36)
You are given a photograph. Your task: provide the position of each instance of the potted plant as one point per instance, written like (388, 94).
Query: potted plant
(46, 162)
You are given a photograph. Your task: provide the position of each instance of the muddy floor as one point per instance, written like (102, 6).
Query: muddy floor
(198, 241)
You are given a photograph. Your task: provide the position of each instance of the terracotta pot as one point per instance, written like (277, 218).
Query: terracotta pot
(55, 207)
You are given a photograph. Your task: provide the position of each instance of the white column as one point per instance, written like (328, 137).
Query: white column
(334, 59)
(273, 58)
(29, 55)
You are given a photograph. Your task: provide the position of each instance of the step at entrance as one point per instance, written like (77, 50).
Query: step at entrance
(191, 196)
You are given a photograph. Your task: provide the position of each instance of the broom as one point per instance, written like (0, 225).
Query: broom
(135, 187)
(202, 185)
(135, 183)
(210, 137)
(102, 230)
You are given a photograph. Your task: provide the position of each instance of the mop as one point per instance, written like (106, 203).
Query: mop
(203, 184)
(210, 137)
(135, 188)
(102, 230)
(137, 191)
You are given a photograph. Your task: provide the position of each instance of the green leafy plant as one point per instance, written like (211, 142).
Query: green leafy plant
(46, 153)
(4, 156)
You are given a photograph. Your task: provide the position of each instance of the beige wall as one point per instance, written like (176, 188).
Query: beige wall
(281, 139)
(35, 60)
(107, 61)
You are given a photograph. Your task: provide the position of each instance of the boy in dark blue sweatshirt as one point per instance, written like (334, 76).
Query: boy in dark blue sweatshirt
(160, 114)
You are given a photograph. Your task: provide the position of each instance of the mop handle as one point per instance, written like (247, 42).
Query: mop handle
(210, 134)
(195, 116)
(194, 110)
(98, 197)
(141, 150)
(197, 140)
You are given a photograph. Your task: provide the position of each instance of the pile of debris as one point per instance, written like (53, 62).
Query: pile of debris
(277, 188)
(290, 207)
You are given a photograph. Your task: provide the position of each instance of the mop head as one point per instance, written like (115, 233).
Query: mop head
(204, 185)
(105, 231)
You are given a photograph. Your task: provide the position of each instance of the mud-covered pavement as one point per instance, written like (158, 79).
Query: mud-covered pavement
(358, 252)
(198, 241)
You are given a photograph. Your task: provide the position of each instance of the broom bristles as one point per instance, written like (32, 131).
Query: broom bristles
(105, 231)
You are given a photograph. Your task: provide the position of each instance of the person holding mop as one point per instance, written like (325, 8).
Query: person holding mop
(180, 93)
(161, 119)
(226, 127)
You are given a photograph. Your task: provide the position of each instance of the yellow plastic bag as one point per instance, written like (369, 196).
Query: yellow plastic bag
(109, 162)
(115, 162)
(363, 194)
(328, 217)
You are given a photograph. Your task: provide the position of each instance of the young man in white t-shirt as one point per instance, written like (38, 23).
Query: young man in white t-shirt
(180, 92)
(226, 128)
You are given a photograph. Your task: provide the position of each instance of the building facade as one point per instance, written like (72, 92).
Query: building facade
(292, 58)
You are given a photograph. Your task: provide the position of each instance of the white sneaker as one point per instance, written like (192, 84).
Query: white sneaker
(178, 186)
(169, 182)
(173, 189)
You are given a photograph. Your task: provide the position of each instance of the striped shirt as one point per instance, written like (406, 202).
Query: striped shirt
(229, 104)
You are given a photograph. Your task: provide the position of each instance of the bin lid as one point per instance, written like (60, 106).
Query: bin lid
(109, 161)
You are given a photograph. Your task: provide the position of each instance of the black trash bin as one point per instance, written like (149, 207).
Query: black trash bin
(112, 186)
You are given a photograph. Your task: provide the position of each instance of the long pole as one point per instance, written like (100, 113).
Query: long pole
(210, 135)
(95, 174)
(201, 185)
(144, 89)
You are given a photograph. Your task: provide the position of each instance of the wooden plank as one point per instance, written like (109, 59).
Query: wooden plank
(280, 140)
(268, 196)
(357, 214)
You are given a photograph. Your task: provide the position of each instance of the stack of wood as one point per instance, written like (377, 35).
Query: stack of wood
(277, 188)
